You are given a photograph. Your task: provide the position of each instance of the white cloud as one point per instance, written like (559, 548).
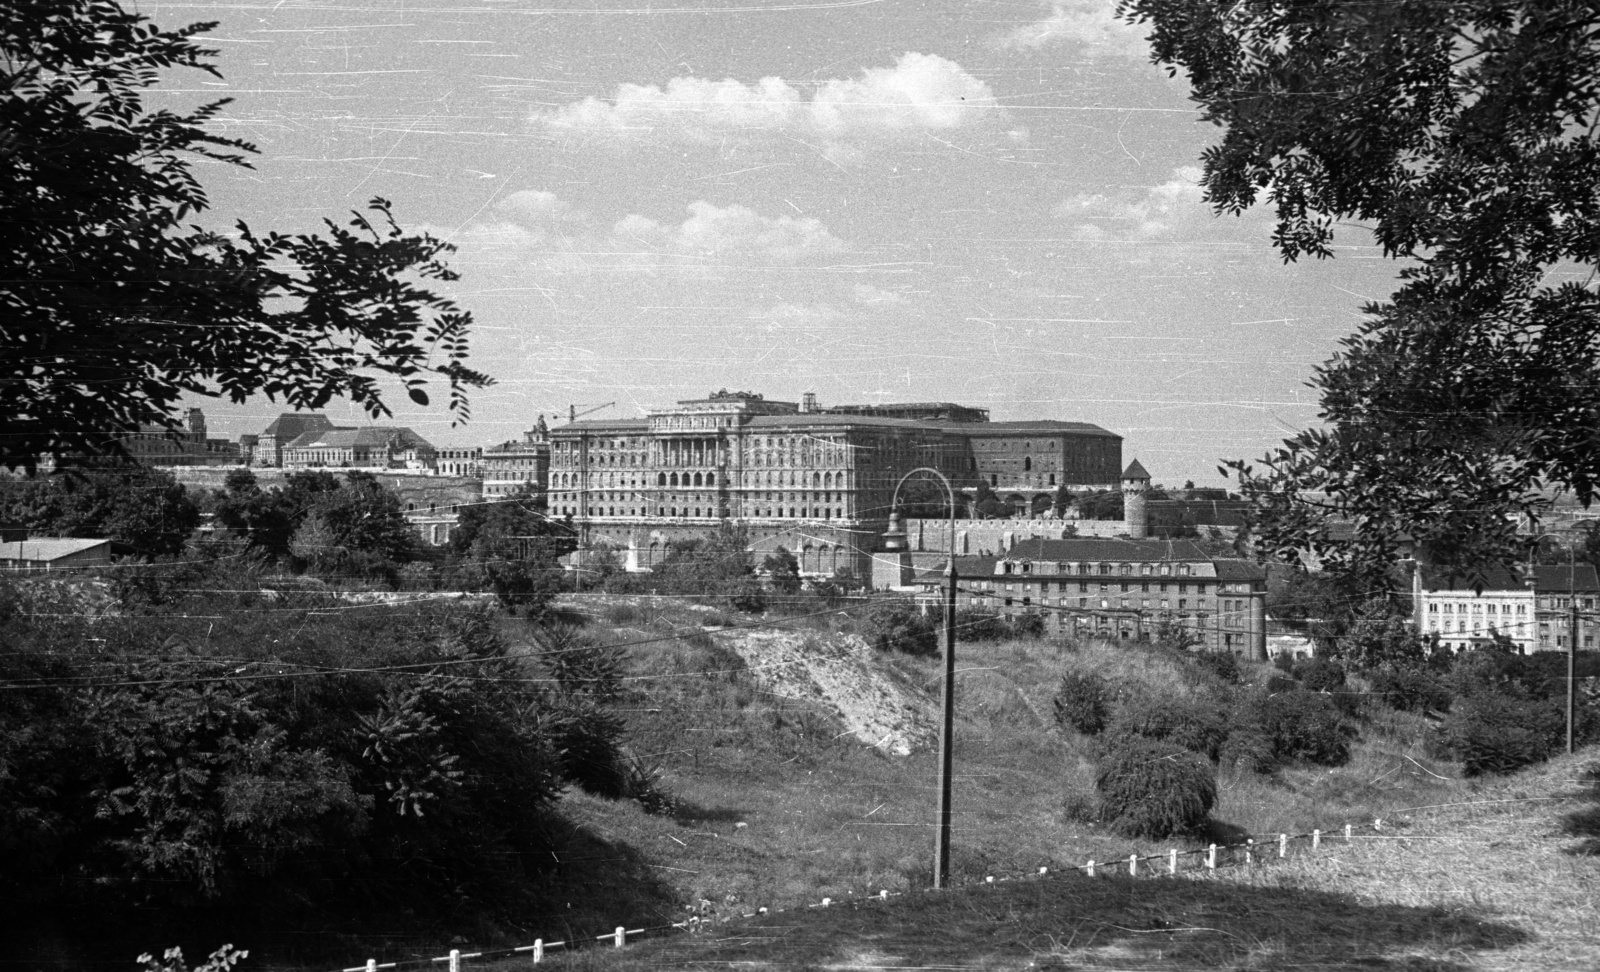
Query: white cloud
(537, 227)
(1174, 204)
(921, 92)
(870, 295)
(1090, 23)
(715, 232)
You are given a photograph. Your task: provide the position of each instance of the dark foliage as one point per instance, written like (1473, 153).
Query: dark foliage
(145, 511)
(1464, 136)
(1497, 732)
(893, 625)
(1083, 702)
(1293, 727)
(1409, 688)
(979, 625)
(783, 572)
(1153, 789)
(510, 548)
(1222, 665)
(1198, 725)
(116, 306)
(272, 759)
(1319, 674)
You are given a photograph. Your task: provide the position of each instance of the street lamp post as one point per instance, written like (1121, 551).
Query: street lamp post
(941, 846)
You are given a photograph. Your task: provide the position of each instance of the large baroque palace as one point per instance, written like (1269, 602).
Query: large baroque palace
(818, 481)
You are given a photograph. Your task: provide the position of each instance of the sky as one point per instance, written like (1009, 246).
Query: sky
(993, 203)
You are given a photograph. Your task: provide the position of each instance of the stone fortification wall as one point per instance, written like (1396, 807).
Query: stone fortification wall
(994, 536)
(415, 491)
(819, 549)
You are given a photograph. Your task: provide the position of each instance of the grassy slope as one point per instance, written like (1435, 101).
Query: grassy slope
(827, 816)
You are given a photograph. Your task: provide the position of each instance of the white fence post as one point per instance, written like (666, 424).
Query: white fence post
(1249, 850)
(1316, 839)
(620, 936)
(372, 965)
(1091, 868)
(1211, 857)
(1347, 833)
(455, 960)
(1133, 865)
(538, 950)
(1172, 861)
(1283, 845)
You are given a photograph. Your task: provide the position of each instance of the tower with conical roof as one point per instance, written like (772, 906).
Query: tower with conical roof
(1135, 486)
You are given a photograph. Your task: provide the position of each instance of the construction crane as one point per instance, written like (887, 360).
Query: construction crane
(573, 414)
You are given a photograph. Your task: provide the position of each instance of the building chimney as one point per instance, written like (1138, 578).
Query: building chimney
(808, 402)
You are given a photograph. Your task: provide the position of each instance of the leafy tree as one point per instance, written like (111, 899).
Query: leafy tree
(716, 566)
(783, 571)
(140, 508)
(511, 548)
(116, 306)
(1463, 133)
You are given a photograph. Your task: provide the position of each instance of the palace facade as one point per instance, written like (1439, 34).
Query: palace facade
(817, 481)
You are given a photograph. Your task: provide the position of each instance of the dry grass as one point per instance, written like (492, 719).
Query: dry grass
(1493, 885)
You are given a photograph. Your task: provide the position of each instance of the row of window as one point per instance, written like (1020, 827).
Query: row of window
(1085, 586)
(1144, 570)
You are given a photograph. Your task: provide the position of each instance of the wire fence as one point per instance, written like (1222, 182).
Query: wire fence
(1251, 852)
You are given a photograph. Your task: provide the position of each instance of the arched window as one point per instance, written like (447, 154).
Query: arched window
(673, 481)
(711, 479)
(816, 480)
(661, 479)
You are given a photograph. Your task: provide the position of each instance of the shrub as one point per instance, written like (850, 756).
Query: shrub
(1297, 726)
(1082, 702)
(1319, 674)
(1493, 732)
(974, 625)
(1409, 687)
(1154, 789)
(898, 626)
(1223, 664)
(1196, 724)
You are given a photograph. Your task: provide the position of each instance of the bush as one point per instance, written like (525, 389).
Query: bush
(1082, 702)
(977, 625)
(1196, 724)
(1493, 732)
(1296, 727)
(898, 626)
(1222, 664)
(1319, 674)
(1154, 789)
(1409, 688)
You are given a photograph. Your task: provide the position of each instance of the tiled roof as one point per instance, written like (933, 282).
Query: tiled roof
(1035, 426)
(603, 425)
(965, 567)
(1548, 578)
(1135, 471)
(1239, 570)
(292, 424)
(371, 437)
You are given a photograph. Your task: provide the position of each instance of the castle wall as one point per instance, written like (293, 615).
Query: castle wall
(974, 537)
(415, 491)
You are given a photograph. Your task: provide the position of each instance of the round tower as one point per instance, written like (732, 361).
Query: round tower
(1135, 484)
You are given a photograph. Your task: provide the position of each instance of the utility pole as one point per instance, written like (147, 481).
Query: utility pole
(1572, 641)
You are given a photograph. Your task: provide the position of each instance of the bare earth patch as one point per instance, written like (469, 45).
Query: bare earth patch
(837, 672)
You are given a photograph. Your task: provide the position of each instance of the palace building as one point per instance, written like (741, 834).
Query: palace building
(817, 481)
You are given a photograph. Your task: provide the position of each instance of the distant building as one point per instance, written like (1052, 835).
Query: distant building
(1532, 610)
(511, 466)
(374, 448)
(1123, 589)
(284, 430)
(47, 554)
(459, 462)
(154, 445)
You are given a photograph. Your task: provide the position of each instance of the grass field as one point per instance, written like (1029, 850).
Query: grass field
(779, 806)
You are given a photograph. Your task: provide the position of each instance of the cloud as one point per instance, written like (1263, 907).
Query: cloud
(921, 92)
(534, 227)
(870, 295)
(1093, 24)
(715, 232)
(1175, 204)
